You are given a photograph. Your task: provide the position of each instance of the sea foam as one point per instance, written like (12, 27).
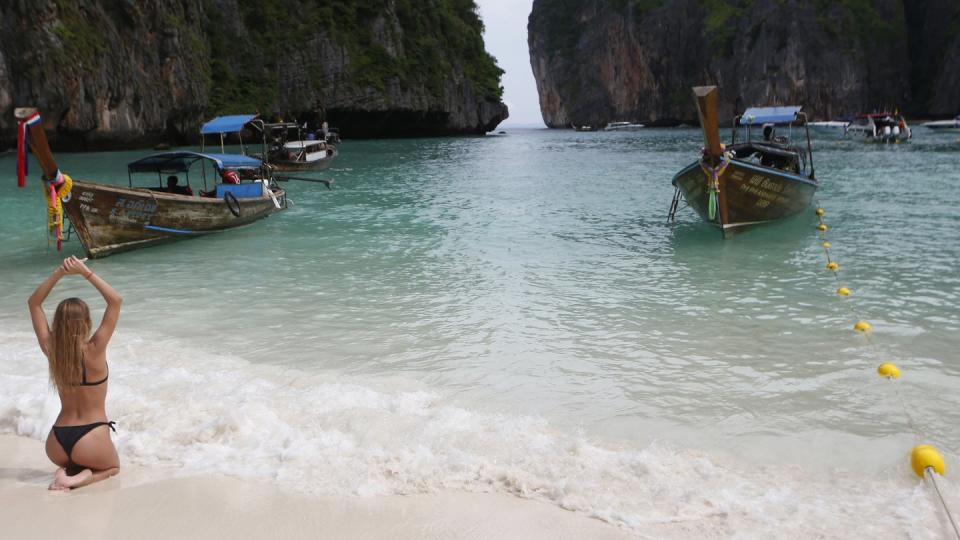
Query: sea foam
(186, 411)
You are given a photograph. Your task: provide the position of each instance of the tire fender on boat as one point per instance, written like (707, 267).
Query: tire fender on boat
(232, 203)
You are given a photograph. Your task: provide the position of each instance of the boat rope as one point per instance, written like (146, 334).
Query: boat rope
(713, 182)
(925, 460)
(929, 473)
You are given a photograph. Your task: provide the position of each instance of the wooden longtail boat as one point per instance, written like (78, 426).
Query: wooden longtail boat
(301, 156)
(109, 218)
(757, 181)
(286, 153)
(284, 147)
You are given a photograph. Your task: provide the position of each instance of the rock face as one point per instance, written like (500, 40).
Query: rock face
(121, 73)
(636, 60)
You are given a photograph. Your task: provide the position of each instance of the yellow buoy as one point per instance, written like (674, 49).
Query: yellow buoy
(833, 266)
(820, 211)
(822, 227)
(826, 245)
(889, 369)
(862, 326)
(843, 291)
(923, 456)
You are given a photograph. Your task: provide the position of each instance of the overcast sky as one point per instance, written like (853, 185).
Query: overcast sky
(506, 39)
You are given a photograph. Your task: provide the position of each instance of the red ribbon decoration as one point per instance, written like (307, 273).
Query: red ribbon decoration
(21, 153)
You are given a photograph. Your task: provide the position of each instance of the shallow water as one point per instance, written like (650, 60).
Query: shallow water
(514, 313)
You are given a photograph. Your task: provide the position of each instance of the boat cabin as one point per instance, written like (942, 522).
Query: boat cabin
(213, 175)
(769, 143)
(308, 150)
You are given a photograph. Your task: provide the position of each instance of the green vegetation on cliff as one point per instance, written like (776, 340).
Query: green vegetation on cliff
(858, 19)
(79, 38)
(721, 22)
(424, 49)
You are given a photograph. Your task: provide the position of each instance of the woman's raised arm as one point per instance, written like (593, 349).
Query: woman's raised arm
(35, 303)
(108, 324)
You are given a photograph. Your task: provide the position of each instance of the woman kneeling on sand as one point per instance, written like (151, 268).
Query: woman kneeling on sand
(80, 439)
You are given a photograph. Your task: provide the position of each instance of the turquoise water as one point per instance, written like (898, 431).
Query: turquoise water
(489, 302)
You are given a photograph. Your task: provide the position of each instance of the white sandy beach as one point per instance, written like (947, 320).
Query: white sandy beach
(139, 503)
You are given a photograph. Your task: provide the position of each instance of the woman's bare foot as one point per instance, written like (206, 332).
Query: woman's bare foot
(62, 482)
(76, 480)
(58, 477)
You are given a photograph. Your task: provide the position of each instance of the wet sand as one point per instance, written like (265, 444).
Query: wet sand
(148, 503)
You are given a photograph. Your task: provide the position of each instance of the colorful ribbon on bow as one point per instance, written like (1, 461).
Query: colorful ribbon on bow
(23, 146)
(713, 184)
(58, 190)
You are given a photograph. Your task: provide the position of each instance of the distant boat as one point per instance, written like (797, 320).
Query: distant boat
(288, 148)
(879, 127)
(751, 182)
(109, 218)
(622, 126)
(284, 146)
(944, 125)
(828, 125)
(583, 127)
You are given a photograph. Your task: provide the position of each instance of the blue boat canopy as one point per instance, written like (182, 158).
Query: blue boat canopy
(226, 124)
(769, 115)
(178, 162)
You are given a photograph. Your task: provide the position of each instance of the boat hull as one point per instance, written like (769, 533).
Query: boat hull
(289, 165)
(882, 138)
(110, 219)
(748, 195)
(944, 125)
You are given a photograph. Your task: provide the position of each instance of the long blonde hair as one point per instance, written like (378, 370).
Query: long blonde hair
(71, 329)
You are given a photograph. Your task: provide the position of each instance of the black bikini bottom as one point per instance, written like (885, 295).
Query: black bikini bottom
(68, 436)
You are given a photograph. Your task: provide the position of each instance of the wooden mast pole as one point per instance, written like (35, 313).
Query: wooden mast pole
(38, 143)
(706, 98)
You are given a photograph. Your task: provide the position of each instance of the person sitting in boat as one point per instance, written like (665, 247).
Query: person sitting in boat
(775, 160)
(174, 187)
(770, 135)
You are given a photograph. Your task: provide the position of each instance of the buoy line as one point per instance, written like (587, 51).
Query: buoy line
(925, 460)
(933, 480)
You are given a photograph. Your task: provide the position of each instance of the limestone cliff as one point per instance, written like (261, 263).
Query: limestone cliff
(608, 60)
(115, 73)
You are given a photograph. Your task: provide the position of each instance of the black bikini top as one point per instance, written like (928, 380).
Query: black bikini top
(84, 374)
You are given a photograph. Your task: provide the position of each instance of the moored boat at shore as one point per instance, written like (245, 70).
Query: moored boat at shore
(748, 183)
(109, 218)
